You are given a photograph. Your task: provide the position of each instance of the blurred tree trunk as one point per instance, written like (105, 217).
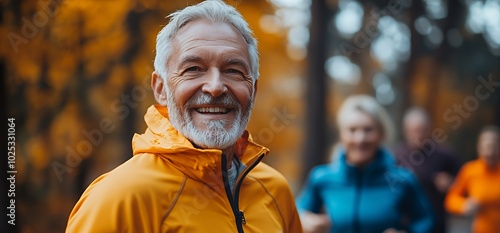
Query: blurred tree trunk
(416, 47)
(441, 59)
(315, 126)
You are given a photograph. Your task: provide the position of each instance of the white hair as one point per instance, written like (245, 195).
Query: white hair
(214, 10)
(370, 106)
(418, 113)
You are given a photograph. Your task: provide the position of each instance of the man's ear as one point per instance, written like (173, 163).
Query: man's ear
(157, 84)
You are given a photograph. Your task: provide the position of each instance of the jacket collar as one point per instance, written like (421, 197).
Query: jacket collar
(204, 165)
(383, 160)
(486, 168)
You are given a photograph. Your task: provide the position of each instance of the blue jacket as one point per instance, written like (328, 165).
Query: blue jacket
(373, 199)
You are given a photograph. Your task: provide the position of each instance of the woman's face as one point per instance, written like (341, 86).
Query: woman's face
(361, 136)
(488, 147)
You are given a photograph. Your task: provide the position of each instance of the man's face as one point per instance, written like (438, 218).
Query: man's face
(416, 130)
(488, 147)
(209, 88)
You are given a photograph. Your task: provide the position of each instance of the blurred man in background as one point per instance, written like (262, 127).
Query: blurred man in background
(434, 165)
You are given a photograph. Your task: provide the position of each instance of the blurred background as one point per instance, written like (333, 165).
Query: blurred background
(69, 67)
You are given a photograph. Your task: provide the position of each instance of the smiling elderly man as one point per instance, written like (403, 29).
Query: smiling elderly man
(195, 169)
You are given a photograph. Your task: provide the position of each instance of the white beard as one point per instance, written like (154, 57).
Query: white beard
(215, 136)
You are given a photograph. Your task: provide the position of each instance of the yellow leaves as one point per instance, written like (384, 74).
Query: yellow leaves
(65, 32)
(65, 131)
(27, 68)
(142, 71)
(91, 31)
(37, 152)
(150, 28)
(102, 16)
(99, 51)
(100, 98)
(116, 81)
(39, 100)
(146, 4)
(108, 155)
(61, 70)
(99, 16)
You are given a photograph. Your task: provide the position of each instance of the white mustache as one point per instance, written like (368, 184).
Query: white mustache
(201, 98)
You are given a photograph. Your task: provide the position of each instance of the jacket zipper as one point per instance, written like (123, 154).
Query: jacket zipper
(234, 200)
(359, 184)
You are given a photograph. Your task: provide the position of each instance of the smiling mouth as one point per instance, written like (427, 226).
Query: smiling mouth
(213, 110)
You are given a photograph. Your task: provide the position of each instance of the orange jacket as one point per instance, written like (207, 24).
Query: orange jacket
(170, 186)
(476, 181)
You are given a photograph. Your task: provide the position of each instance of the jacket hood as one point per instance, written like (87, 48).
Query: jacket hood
(163, 139)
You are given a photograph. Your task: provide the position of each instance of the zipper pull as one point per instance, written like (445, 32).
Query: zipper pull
(242, 216)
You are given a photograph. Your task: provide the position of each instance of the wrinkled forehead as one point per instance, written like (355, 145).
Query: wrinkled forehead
(208, 35)
(209, 30)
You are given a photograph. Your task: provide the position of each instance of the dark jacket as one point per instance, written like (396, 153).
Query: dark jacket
(426, 163)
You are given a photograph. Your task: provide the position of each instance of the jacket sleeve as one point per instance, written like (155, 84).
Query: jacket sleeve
(294, 224)
(309, 198)
(456, 197)
(108, 206)
(418, 207)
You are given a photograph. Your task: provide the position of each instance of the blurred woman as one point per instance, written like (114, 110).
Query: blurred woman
(363, 190)
(476, 191)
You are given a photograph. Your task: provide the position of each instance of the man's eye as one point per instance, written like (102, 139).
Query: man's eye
(233, 71)
(192, 69)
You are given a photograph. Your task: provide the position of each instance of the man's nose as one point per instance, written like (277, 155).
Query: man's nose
(214, 84)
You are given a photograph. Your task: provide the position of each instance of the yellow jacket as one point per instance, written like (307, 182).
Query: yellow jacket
(476, 180)
(170, 186)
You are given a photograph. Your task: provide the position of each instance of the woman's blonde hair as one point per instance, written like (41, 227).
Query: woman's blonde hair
(372, 108)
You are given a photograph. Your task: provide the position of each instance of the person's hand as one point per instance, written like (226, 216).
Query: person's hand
(471, 207)
(315, 223)
(392, 230)
(443, 181)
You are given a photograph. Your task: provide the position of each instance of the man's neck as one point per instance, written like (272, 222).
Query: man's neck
(229, 153)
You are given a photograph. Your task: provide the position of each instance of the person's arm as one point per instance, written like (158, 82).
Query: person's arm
(457, 195)
(309, 204)
(309, 198)
(444, 179)
(417, 207)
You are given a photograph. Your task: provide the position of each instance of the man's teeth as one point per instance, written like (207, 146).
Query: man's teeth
(212, 110)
